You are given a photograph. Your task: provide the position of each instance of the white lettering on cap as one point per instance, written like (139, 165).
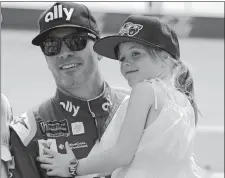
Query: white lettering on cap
(58, 13)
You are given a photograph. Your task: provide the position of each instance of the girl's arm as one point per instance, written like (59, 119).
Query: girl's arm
(142, 97)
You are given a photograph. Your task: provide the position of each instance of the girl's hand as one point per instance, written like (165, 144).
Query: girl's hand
(55, 163)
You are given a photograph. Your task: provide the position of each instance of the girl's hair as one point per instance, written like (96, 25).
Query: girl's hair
(6, 118)
(184, 82)
(182, 78)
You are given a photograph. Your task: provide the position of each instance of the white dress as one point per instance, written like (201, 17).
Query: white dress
(166, 146)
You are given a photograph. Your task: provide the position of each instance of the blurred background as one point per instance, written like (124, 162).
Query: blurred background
(26, 81)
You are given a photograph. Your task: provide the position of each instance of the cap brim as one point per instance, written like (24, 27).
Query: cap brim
(5, 153)
(106, 46)
(40, 37)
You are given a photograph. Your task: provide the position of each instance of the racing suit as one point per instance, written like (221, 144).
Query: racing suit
(63, 118)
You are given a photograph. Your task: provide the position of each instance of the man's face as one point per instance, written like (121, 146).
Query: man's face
(72, 68)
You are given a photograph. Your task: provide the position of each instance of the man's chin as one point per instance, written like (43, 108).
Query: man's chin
(68, 84)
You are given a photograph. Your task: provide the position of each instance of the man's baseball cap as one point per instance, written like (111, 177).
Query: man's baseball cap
(66, 14)
(142, 29)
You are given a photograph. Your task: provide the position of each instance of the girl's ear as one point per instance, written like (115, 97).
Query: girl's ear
(165, 59)
(165, 56)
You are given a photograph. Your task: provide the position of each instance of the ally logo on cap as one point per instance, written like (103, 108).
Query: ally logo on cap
(58, 13)
(130, 29)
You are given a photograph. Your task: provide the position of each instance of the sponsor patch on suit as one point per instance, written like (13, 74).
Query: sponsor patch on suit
(77, 128)
(54, 128)
(50, 144)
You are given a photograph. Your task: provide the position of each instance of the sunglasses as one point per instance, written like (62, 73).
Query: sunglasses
(51, 46)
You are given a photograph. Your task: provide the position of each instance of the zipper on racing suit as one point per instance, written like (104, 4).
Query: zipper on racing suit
(97, 123)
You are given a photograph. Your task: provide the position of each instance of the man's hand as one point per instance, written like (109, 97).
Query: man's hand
(55, 163)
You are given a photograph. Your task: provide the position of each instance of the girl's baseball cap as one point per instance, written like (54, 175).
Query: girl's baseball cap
(142, 29)
(66, 14)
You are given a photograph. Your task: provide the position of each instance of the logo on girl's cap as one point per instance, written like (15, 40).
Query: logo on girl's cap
(130, 29)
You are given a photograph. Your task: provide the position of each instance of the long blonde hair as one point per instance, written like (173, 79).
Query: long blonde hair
(181, 76)
(6, 118)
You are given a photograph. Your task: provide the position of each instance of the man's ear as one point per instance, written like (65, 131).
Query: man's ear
(100, 57)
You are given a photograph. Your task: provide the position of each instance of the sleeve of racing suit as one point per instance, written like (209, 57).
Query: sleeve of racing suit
(23, 164)
(25, 126)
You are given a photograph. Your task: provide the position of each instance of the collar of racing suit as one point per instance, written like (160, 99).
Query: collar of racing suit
(98, 107)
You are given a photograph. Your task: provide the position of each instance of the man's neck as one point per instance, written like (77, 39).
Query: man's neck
(87, 91)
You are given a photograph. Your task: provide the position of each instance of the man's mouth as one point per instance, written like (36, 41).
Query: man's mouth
(69, 66)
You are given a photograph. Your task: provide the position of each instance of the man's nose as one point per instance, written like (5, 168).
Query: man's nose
(65, 52)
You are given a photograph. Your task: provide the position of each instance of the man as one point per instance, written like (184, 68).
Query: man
(84, 104)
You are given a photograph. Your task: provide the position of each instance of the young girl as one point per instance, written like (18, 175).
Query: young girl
(156, 137)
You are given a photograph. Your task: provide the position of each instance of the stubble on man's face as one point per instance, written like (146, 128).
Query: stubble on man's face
(85, 73)
(86, 58)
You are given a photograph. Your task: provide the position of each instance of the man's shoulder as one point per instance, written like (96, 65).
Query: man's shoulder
(25, 125)
(42, 107)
